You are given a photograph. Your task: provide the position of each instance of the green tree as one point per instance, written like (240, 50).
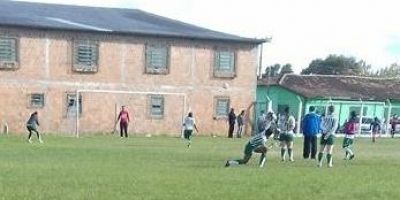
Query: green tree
(272, 71)
(390, 71)
(286, 69)
(338, 65)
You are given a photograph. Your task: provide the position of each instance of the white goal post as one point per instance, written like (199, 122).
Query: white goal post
(79, 92)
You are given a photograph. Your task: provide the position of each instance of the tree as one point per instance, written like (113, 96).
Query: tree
(338, 65)
(286, 69)
(272, 71)
(389, 72)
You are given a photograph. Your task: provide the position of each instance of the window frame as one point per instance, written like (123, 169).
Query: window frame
(68, 106)
(41, 100)
(151, 106)
(80, 67)
(217, 72)
(147, 61)
(11, 64)
(217, 115)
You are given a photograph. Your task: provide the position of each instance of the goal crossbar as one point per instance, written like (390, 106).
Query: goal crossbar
(78, 92)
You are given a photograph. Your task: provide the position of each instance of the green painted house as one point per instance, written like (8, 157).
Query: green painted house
(369, 97)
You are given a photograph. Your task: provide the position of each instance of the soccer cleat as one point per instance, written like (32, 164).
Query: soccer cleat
(351, 157)
(40, 141)
(330, 165)
(319, 164)
(291, 160)
(30, 141)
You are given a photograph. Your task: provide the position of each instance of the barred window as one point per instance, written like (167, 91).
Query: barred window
(156, 106)
(224, 63)
(157, 59)
(72, 103)
(222, 106)
(85, 56)
(8, 53)
(37, 100)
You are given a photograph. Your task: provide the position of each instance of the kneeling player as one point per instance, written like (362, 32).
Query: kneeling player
(256, 144)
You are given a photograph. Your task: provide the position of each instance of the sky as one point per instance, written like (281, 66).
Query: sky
(301, 30)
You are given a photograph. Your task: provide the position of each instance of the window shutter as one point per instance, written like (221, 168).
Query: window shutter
(8, 52)
(156, 58)
(86, 56)
(224, 64)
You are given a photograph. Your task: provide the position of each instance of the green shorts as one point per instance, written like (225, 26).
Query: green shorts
(187, 134)
(329, 141)
(286, 137)
(347, 142)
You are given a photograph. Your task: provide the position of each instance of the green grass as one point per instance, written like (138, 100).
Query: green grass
(161, 168)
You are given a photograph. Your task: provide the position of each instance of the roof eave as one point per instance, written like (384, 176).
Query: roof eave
(239, 40)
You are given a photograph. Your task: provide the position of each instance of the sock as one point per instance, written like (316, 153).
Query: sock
(262, 160)
(329, 158)
(349, 151)
(290, 153)
(320, 156)
(283, 152)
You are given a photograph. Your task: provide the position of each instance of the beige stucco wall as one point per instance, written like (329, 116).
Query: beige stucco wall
(45, 66)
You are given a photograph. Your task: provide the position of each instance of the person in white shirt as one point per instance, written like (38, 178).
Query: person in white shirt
(189, 124)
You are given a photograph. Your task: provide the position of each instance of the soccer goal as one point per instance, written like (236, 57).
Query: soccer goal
(96, 111)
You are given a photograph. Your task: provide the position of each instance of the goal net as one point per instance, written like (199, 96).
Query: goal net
(155, 113)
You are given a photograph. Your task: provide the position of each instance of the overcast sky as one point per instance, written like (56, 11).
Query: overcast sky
(301, 30)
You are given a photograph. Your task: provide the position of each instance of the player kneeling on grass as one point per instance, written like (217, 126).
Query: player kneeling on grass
(32, 125)
(350, 131)
(189, 124)
(256, 144)
(328, 127)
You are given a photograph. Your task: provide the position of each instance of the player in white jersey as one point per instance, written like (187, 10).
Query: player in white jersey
(189, 124)
(328, 126)
(286, 125)
(255, 144)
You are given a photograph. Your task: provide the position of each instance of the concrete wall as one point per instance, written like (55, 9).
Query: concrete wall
(45, 66)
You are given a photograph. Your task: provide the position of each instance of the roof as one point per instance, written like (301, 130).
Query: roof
(341, 87)
(105, 20)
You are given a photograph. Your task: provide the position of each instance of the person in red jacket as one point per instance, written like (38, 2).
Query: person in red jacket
(123, 118)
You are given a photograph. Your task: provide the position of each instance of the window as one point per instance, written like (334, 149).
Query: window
(156, 106)
(222, 106)
(71, 104)
(8, 53)
(37, 100)
(157, 59)
(85, 56)
(357, 110)
(224, 64)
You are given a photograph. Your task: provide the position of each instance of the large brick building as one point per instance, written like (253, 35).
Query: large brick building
(160, 68)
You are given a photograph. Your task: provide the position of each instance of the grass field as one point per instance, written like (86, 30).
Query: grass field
(106, 167)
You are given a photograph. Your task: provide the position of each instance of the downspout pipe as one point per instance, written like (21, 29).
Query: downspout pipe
(299, 114)
(269, 105)
(388, 116)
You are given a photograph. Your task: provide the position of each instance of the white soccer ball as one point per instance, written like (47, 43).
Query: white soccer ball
(148, 135)
(225, 85)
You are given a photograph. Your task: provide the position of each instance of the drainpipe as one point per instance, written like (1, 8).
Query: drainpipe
(299, 114)
(388, 116)
(361, 116)
(260, 62)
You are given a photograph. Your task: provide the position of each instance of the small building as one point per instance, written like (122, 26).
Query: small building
(369, 97)
(78, 65)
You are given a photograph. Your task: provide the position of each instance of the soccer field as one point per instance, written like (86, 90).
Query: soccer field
(106, 167)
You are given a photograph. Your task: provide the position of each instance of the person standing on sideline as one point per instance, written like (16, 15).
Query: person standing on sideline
(393, 123)
(240, 122)
(328, 127)
(286, 125)
(189, 124)
(31, 125)
(231, 121)
(350, 130)
(124, 120)
(261, 121)
(310, 128)
(375, 128)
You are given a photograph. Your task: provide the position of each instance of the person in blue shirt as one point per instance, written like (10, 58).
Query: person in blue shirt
(310, 128)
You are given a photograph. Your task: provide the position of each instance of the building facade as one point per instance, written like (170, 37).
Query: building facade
(77, 72)
(368, 97)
